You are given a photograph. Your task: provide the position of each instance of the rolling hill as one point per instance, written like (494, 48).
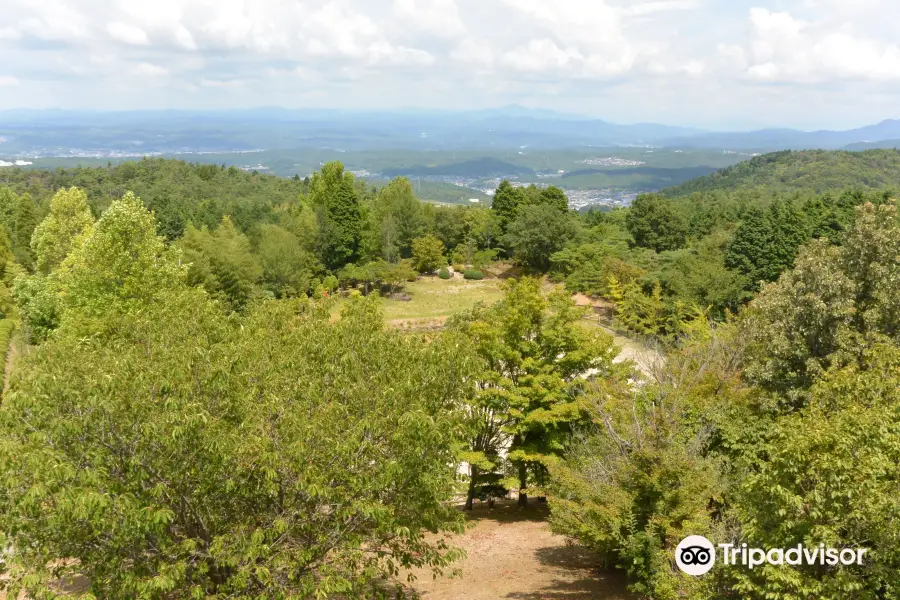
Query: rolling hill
(804, 170)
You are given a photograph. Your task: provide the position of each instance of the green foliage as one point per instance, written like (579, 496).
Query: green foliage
(530, 389)
(766, 244)
(330, 283)
(655, 223)
(377, 275)
(287, 265)
(259, 457)
(806, 170)
(70, 218)
(177, 192)
(835, 301)
(7, 326)
(444, 273)
(506, 203)
(222, 262)
(484, 258)
(335, 198)
(473, 274)
(538, 232)
(428, 254)
(122, 260)
(554, 197)
(640, 478)
(39, 306)
(19, 216)
(698, 276)
(831, 478)
(398, 218)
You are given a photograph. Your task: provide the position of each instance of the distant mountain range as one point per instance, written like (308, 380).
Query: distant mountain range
(26, 133)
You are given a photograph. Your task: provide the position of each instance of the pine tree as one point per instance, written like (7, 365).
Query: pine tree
(749, 250)
(334, 196)
(506, 203)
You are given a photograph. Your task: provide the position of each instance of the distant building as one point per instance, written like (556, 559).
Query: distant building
(474, 200)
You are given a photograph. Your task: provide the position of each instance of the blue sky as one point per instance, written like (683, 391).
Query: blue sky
(709, 63)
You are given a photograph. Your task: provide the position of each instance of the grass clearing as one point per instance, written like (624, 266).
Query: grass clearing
(434, 299)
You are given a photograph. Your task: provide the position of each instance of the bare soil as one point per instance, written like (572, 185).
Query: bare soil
(512, 554)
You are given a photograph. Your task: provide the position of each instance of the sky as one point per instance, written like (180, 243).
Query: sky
(720, 64)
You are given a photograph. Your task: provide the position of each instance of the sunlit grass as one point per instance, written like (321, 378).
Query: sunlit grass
(435, 298)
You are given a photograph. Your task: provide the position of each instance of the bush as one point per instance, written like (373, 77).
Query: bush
(473, 274)
(444, 273)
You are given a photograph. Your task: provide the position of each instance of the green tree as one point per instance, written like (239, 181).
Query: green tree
(832, 305)
(830, 478)
(428, 254)
(748, 251)
(654, 222)
(253, 457)
(506, 203)
(222, 262)
(121, 263)
(640, 477)
(766, 243)
(530, 389)
(554, 197)
(70, 217)
(39, 305)
(24, 221)
(400, 219)
(334, 195)
(288, 268)
(537, 233)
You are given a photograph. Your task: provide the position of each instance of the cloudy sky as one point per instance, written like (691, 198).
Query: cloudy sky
(710, 63)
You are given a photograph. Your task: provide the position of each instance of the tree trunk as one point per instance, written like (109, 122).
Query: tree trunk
(523, 484)
(470, 497)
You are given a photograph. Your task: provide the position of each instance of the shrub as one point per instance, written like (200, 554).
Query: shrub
(473, 274)
(330, 283)
(444, 273)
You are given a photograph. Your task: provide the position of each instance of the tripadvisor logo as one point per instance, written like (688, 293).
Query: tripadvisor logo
(696, 556)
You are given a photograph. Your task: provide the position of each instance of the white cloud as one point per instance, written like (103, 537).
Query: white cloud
(10, 33)
(434, 17)
(787, 49)
(229, 83)
(660, 6)
(625, 59)
(127, 34)
(150, 70)
(542, 55)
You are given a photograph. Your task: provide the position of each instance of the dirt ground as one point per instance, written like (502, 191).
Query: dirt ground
(513, 555)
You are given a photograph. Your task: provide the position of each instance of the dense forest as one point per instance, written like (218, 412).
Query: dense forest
(208, 403)
(803, 171)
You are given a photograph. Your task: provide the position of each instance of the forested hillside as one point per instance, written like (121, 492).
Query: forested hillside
(210, 404)
(802, 170)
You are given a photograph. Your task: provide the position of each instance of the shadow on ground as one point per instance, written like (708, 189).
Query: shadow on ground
(599, 584)
(506, 511)
(512, 554)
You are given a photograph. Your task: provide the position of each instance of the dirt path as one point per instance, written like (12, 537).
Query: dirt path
(513, 555)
